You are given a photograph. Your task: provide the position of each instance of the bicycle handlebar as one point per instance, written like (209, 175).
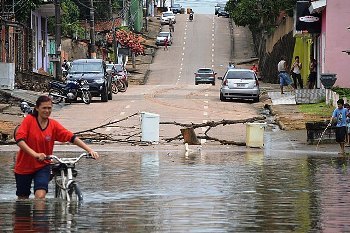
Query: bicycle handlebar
(69, 160)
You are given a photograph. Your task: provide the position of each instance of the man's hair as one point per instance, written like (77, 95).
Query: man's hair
(340, 101)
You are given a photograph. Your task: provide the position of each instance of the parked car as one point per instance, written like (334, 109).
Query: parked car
(176, 8)
(218, 6)
(204, 75)
(160, 40)
(241, 84)
(223, 12)
(166, 17)
(95, 73)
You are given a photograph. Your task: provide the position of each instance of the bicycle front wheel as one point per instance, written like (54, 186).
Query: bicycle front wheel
(75, 193)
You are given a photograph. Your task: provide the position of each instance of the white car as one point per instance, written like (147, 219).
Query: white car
(161, 38)
(239, 84)
(167, 16)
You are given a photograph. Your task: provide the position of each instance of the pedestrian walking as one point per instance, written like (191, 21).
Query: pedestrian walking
(255, 69)
(171, 26)
(231, 65)
(36, 137)
(283, 75)
(313, 73)
(166, 43)
(296, 73)
(339, 119)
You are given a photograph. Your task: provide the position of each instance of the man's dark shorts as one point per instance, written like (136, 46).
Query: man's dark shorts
(41, 181)
(340, 134)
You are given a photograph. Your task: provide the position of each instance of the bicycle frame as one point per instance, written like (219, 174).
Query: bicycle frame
(63, 173)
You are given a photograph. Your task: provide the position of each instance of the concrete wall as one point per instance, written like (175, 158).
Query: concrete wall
(283, 28)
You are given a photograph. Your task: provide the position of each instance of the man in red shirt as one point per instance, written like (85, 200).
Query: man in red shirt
(36, 137)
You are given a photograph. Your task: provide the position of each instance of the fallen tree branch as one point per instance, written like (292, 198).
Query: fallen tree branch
(213, 123)
(105, 125)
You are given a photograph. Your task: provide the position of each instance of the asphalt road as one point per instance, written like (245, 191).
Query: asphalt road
(170, 90)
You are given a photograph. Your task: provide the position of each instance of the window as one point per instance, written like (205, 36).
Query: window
(240, 75)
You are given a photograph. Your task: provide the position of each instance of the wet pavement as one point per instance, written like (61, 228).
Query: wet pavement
(203, 190)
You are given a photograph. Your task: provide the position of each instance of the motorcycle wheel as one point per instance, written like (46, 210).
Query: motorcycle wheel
(122, 86)
(115, 88)
(55, 94)
(86, 97)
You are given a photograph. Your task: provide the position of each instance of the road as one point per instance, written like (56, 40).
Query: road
(170, 90)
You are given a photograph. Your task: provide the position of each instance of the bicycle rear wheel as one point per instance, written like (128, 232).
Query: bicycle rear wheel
(75, 193)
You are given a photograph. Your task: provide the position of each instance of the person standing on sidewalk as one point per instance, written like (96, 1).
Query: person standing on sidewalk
(339, 118)
(283, 75)
(166, 43)
(296, 73)
(313, 73)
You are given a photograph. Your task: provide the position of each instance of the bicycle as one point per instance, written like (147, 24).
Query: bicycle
(64, 175)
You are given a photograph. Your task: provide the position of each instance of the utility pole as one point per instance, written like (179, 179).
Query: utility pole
(146, 16)
(110, 9)
(58, 38)
(92, 30)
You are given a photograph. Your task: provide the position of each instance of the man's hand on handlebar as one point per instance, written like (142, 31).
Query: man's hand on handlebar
(94, 154)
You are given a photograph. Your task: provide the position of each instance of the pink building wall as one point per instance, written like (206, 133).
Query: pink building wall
(335, 38)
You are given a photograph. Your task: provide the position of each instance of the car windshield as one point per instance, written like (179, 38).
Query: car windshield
(109, 66)
(167, 14)
(240, 75)
(163, 34)
(118, 68)
(86, 67)
(205, 71)
(176, 5)
(222, 5)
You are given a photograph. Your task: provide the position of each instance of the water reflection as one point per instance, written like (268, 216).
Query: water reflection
(30, 216)
(201, 191)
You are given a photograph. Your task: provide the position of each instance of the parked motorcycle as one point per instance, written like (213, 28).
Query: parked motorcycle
(190, 17)
(119, 83)
(70, 91)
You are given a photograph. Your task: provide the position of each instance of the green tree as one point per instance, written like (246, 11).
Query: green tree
(21, 9)
(258, 15)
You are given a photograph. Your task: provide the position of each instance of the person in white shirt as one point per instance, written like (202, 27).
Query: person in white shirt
(296, 73)
(283, 75)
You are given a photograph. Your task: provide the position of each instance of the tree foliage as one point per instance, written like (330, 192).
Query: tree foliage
(127, 39)
(258, 14)
(21, 9)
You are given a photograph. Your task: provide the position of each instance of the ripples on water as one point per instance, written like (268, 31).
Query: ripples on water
(207, 192)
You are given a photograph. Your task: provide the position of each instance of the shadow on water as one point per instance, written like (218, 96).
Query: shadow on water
(198, 191)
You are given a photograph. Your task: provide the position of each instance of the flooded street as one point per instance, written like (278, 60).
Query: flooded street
(158, 191)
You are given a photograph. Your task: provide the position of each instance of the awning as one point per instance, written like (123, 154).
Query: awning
(317, 6)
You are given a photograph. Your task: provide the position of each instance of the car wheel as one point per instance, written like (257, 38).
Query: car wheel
(110, 93)
(222, 98)
(104, 94)
(257, 99)
(195, 83)
(213, 83)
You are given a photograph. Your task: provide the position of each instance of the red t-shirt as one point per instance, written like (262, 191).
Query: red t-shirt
(40, 140)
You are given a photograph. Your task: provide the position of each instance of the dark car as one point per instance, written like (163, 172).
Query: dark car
(176, 8)
(204, 75)
(95, 73)
(218, 6)
(223, 12)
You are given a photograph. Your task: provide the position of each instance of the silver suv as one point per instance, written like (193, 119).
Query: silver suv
(241, 84)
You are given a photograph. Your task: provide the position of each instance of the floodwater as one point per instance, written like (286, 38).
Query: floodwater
(203, 191)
